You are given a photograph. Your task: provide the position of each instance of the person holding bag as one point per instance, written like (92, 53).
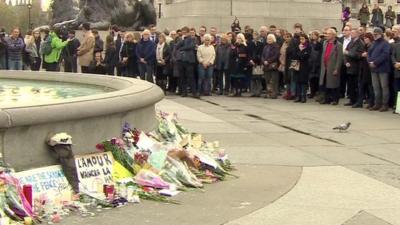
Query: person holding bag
(258, 70)
(301, 77)
(270, 59)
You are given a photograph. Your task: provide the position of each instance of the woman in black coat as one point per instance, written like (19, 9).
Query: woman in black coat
(365, 89)
(301, 76)
(240, 65)
(129, 57)
(111, 59)
(315, 63)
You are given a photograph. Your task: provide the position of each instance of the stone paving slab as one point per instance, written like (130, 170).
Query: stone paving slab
(344, 156)
(365, 218)
(218, 203)
(327, 196)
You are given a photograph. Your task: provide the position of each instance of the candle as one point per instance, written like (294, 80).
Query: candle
(27, 190)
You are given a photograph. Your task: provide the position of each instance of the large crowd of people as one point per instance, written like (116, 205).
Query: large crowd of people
(326, 65)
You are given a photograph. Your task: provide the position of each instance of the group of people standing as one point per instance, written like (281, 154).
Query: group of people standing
(49, 49)
(327, 65)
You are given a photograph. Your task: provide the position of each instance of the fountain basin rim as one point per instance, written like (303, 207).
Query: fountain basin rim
(129, 94)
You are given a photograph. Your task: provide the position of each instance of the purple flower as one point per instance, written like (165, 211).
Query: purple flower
(126, 127)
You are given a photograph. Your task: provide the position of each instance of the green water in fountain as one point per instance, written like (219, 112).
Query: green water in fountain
(14, 91)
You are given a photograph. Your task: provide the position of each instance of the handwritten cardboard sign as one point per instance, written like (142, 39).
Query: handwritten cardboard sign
(44, 180)
(94, 170)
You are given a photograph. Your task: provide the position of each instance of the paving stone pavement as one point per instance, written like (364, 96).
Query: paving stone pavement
(294, 169)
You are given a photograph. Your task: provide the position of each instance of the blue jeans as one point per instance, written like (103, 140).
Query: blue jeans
(380, 83)
(3, 62)
(15, 64)
(204, 81)
(146, 72)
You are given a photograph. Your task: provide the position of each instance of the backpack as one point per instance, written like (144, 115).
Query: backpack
(45, 47)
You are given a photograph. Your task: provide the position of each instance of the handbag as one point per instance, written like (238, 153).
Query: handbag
(258, 70)
(295, 65)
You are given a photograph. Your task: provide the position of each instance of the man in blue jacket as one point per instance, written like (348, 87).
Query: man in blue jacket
(379, 60)
(146, 53)
(186, 58)
(15, 48)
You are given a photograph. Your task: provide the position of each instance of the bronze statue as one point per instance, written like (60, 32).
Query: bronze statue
(131, 14)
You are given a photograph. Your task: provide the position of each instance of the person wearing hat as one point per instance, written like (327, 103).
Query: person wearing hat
(379, 59)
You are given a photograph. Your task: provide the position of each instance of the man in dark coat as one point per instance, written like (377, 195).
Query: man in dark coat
(70, 53)
(396, 62)
(380, 63)
(146, 53)
(345, 41)
(352, 59)
(186, 58)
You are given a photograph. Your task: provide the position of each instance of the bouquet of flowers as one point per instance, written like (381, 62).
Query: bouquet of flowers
(117, 147)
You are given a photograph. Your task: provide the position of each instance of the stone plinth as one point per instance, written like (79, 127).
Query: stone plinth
(313, 14)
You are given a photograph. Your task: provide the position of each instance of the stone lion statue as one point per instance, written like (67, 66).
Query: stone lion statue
(132, 14)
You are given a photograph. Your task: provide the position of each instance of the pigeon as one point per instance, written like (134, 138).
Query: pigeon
(343, 127)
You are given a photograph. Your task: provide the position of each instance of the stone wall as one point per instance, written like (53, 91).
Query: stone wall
(313, 14)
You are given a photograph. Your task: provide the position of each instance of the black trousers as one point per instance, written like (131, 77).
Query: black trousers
(52, 67)
(186, 75)
(352, 87)
(71, 65)
(85, 69)
(35, 64)
(343, 82)
(314, 85)
(161, 77)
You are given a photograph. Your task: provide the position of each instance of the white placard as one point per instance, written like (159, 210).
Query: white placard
(94, 170)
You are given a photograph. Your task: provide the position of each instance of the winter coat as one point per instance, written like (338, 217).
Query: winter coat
(186, 49)
(363, 16)
(355, 49)
(223, 53)
(365, 71)
(71, 50)
(301, 76)
(206, 54)
(396, 57)
(129, 50)
(147, 51)
(241, 59)
(271, 55)
(111, 57)
(85, 51)
(33, 49)
(315, 58)
(377, 17)
(57, 46)
(291, 51)
(334, 64)
(15, 48)
(99, 45)
(390, 16)
(379, 54)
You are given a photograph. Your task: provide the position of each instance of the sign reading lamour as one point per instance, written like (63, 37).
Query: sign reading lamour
(94, 170)
(44, 179)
